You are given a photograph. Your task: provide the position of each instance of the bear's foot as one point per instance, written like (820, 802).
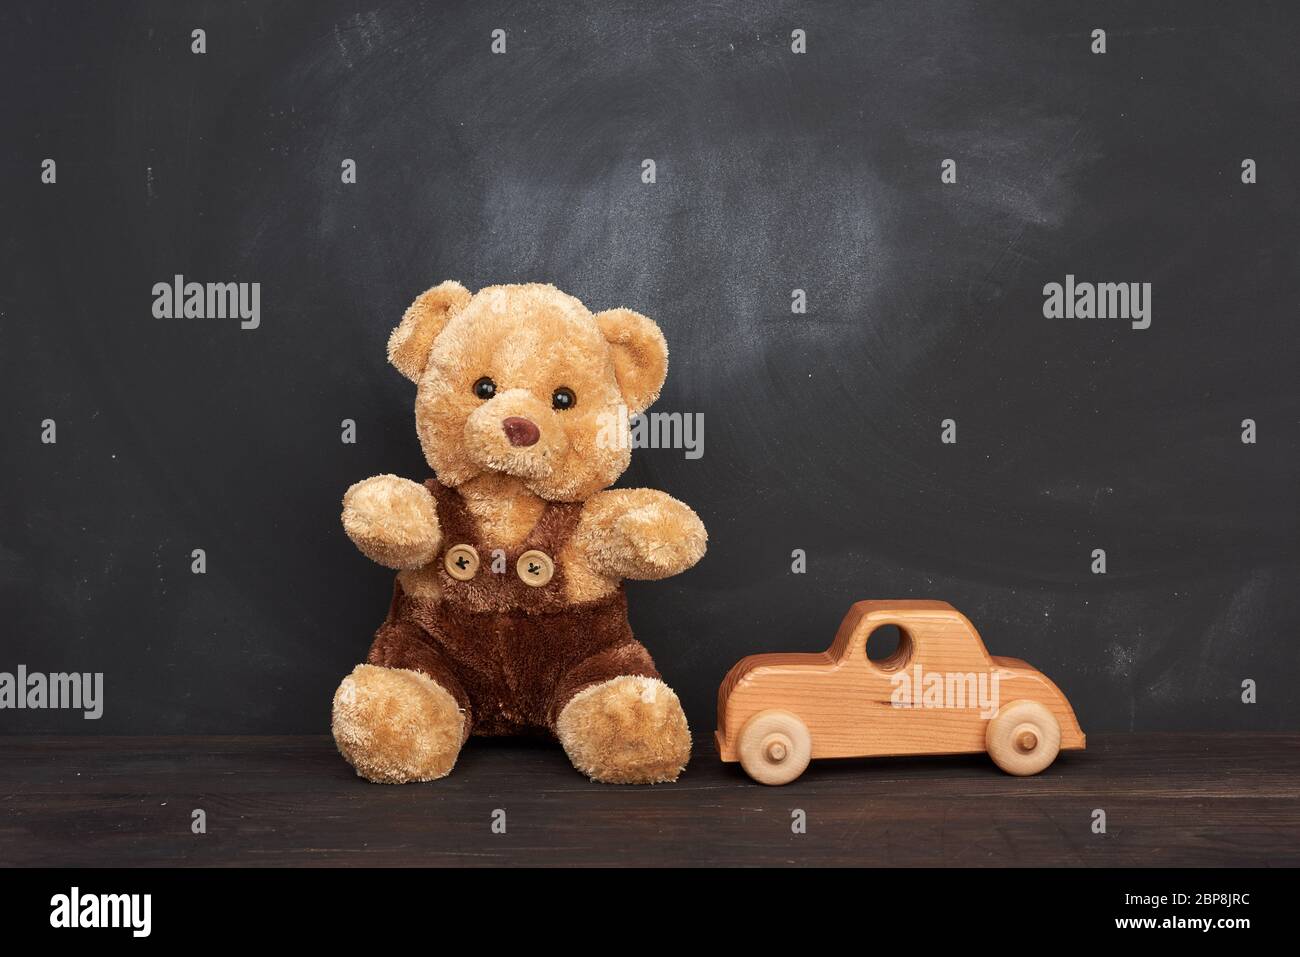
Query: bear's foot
(627, 730)
(395, 725)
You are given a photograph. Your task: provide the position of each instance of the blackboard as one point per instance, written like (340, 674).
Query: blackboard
(775, 170)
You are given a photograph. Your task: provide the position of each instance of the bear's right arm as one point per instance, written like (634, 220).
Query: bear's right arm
(393, 521)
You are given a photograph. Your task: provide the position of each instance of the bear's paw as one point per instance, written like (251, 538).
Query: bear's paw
(627, 730)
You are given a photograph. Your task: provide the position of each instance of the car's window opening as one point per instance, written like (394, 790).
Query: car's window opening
(889, 647)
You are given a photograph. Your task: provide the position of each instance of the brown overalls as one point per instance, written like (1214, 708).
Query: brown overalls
(512, 654)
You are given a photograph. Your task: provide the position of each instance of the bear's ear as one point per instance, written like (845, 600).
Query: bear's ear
(409, 345)
(640, 355)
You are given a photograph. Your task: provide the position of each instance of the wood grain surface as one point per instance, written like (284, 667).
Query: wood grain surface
(850, 704)
(1170, 800)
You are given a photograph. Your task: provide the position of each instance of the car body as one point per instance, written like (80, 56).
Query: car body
(850, 704)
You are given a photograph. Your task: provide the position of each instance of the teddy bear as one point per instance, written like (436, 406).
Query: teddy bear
(509, 614)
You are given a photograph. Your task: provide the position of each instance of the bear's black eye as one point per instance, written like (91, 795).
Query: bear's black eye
(563, 398)
(485, 388)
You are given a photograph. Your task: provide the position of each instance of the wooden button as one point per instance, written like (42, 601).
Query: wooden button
(535, 568)
(461, 562)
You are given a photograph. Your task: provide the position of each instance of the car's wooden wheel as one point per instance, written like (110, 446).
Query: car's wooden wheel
(774, 747)
(1023, 737)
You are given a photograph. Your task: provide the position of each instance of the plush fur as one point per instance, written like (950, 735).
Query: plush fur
(396, 724)
(626, 730)
(494, 655)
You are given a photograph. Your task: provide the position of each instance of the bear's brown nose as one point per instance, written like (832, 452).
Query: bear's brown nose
(521, 431)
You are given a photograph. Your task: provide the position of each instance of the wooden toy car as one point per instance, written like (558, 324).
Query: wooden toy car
(940, 692)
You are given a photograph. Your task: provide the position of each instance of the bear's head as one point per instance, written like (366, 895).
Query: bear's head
(525, 381)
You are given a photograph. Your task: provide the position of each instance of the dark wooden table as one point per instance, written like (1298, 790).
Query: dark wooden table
(1169, 799)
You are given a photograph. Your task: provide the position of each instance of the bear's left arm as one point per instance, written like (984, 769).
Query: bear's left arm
(639, 533)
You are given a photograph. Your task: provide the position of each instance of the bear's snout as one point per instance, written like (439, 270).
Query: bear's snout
(520, 431)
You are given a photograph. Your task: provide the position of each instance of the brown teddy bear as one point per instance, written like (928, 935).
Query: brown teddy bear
(508, 613)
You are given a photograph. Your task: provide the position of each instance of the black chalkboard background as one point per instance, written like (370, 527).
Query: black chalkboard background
(775, 171)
